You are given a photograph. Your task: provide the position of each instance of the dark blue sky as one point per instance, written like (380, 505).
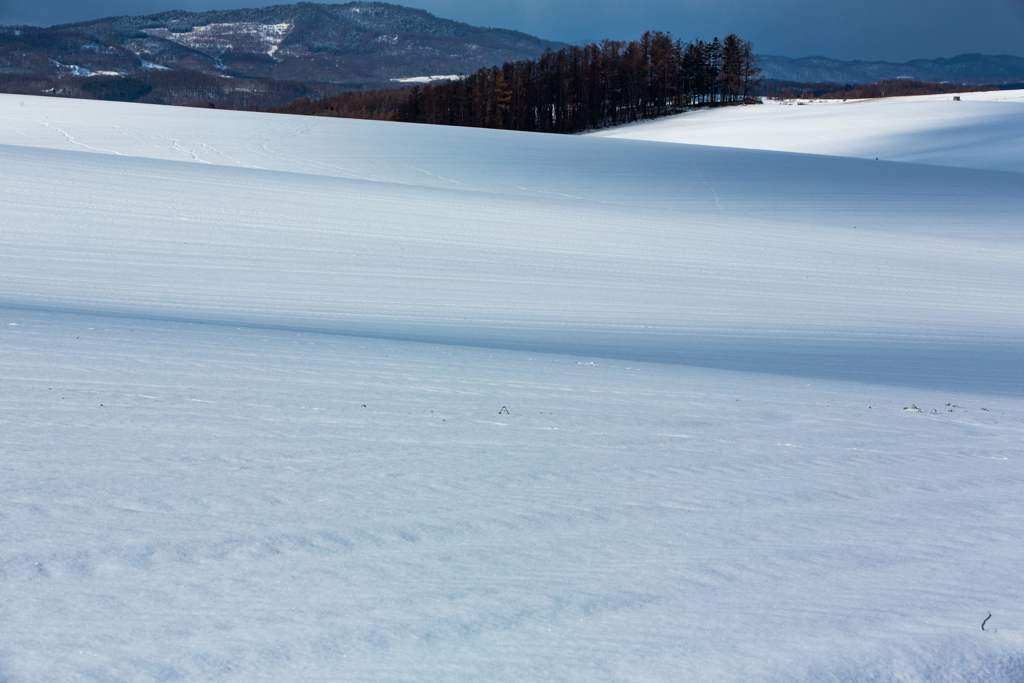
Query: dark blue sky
(867, 29)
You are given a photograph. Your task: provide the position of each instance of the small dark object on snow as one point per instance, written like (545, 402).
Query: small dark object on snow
(503, 410)
(986, 619)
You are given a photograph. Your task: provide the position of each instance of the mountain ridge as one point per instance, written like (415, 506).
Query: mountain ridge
(967, 69)
(367, 43)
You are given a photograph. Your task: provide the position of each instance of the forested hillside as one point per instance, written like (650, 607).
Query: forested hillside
(252, 57)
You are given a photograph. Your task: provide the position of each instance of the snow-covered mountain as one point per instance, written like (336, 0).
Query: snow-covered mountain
(350, 44)
(305, 399)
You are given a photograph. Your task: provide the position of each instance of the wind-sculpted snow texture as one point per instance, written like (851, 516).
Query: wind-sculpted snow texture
(762, 410)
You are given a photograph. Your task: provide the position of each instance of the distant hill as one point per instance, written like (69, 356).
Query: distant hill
(972, 69)
(355, 44)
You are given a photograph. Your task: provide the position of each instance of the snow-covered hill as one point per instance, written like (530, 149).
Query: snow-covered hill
(982, 130)
(254, 370)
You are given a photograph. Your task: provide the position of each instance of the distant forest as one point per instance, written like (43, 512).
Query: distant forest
(568, 91)
(181, 87)
(894, 87)
(900, 87)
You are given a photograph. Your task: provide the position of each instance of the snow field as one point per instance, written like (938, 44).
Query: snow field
(213, 503)
(252, 368)
(983, 130)
(653, 252)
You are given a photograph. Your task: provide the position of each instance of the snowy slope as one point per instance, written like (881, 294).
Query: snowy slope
(251, 428)
(462, 236)
(983, 130)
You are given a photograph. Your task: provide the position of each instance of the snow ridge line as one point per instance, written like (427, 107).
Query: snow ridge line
(985, 364)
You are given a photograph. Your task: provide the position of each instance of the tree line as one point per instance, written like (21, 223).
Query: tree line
(571, 90)
(179, 87)
(599, 85)
(378, 105)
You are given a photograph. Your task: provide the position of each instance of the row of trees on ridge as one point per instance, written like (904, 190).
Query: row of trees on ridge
(599, 85)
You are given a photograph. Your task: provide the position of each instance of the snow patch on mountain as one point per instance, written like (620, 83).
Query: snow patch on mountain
(152, 66)
(427, 79)
(240, 36)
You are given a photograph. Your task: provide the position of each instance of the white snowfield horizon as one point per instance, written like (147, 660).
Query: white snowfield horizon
(309, 399)
(982, 130)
